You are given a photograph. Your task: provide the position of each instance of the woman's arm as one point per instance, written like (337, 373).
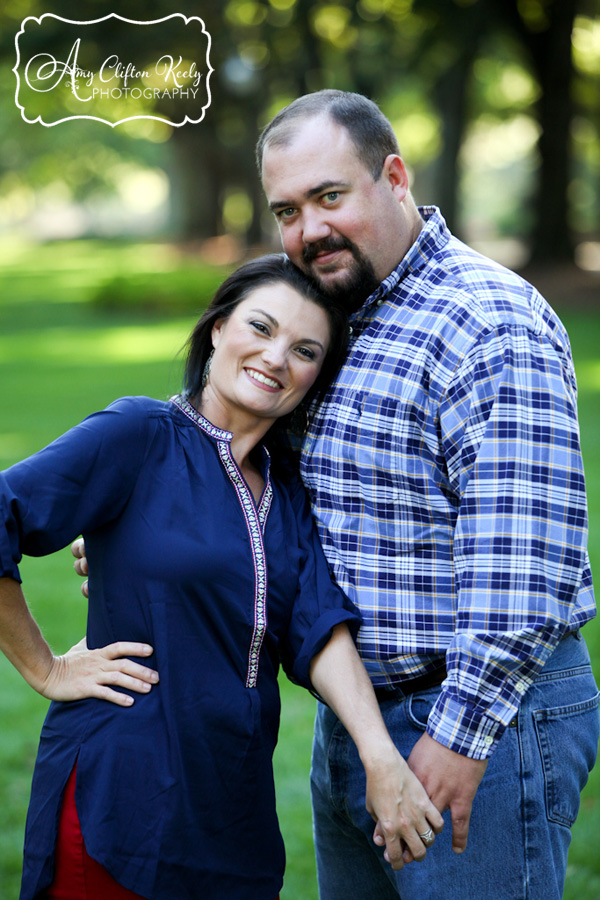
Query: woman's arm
(395, 798)
(78, 674)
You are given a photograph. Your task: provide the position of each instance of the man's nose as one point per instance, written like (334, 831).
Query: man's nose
(314, 226)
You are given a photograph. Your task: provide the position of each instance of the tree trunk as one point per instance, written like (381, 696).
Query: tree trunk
(553, 59)
(550, 51)
(451, 100)
(197, 178)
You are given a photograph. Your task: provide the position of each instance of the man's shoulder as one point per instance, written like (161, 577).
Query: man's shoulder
(460, 296)
(480, 288)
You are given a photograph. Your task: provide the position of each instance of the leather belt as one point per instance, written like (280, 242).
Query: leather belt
(411, 685)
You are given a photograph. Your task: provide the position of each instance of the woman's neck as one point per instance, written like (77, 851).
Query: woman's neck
(247, 430)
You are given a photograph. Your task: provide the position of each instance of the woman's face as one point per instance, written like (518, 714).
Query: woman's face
(268, 353)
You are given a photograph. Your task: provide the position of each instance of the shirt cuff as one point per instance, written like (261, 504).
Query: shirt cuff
(465, 729)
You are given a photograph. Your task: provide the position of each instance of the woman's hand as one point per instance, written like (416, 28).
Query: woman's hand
(78, 674)
(82, 673)
(401, 808)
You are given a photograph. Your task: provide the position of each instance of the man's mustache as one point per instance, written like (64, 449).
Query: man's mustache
(311, 251)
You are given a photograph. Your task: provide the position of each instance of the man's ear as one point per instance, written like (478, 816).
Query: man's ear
(395, 172)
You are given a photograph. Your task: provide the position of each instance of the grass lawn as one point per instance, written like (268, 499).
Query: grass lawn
(62, 357)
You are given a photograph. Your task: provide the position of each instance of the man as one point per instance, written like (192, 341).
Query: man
(446, 478)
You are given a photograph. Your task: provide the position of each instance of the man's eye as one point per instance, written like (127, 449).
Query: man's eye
(331, 196)
(286, 213)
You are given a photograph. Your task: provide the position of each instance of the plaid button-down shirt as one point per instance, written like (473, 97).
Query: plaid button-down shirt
(445, 473)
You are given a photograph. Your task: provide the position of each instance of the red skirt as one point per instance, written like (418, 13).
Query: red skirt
(76, 875)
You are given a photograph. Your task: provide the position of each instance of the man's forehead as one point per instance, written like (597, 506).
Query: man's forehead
(310, 159)
(314, 134)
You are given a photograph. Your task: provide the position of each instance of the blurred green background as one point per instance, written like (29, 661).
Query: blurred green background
(113, 239)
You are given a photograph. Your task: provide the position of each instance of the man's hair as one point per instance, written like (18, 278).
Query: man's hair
(366, 125)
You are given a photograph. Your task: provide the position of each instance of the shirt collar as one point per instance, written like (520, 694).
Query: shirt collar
(192, 413)
(217, 433)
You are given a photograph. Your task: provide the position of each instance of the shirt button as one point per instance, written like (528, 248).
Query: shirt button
(488, 741)
(520, 687)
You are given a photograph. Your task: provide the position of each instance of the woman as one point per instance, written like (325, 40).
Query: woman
(198, 551)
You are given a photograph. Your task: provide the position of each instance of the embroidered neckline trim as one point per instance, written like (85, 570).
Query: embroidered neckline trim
(192, 413)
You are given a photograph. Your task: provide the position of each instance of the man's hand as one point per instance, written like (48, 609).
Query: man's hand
(80, 565)
(451, 781)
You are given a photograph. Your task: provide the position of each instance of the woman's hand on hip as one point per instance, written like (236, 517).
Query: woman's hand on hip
(81, 673)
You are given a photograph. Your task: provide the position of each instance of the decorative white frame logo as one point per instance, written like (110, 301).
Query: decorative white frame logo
(69, 68)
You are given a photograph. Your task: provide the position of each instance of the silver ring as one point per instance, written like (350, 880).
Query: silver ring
(428, 836)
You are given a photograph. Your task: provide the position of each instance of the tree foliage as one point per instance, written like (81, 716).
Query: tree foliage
(439, 69)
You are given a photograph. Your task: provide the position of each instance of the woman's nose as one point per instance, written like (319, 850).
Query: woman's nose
(275, 354)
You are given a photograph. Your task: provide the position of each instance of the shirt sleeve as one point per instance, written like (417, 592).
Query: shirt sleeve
(511, 444)
(76, 484)
(319, 605)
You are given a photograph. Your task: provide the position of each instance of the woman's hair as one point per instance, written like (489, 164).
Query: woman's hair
(250, 276)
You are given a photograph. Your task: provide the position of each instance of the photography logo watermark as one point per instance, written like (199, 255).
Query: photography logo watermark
(112, 70)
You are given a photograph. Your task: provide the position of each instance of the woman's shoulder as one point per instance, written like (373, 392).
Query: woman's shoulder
(128, 421)
(140, 406)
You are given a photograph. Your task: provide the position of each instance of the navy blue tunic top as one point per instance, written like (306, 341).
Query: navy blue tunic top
(175, 794)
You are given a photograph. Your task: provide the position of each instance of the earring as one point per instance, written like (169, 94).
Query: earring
(206, 371)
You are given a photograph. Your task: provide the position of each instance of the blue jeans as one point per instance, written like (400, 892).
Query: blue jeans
(522, 814)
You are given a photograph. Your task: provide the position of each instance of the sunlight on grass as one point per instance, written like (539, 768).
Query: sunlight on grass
(13, 446)
(588, 375)
(141, 343)
(85, 255)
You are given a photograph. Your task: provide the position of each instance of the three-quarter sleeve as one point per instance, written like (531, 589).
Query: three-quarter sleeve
(319, 605)
(79, 482)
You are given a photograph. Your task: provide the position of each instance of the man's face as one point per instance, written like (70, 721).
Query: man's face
(336, 223)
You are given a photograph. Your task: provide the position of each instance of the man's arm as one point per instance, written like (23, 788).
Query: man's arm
(395, 798)
(510, 441)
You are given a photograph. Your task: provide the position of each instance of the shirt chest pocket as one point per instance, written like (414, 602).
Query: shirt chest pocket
(381, 439)
(389, 449)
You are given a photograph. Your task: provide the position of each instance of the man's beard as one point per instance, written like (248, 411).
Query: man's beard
(359, 282)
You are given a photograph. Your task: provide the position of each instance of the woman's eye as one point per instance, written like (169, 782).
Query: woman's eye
(260, 326)
(306, 352)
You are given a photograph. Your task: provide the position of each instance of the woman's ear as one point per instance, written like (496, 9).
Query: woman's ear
(217, 331)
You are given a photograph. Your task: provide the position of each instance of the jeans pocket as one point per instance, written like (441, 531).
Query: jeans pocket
(419, 705)
(568, 742)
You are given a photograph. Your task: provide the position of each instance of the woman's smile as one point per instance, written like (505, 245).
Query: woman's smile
(269, 382)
